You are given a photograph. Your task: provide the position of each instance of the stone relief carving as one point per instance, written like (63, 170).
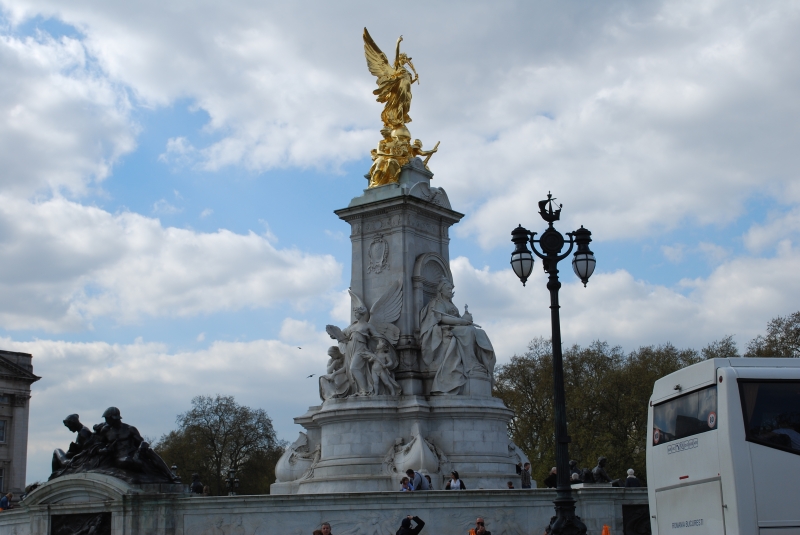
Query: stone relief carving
(502, 522)
(436, 196)
(374, 522)
(223, 525)
(420, 224)
(452, 344)
(419, 454)
(368, 346)
(315, 455)
(81, 524)
(517, 455)
(383, 223)
(378, 253)
(297, 460)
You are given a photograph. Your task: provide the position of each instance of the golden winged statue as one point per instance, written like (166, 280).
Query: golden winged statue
(394, 81)
(394, 91)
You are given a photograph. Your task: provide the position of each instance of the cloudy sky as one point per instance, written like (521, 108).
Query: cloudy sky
(169, 171)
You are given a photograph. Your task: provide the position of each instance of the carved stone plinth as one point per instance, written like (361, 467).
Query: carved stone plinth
(367, 443)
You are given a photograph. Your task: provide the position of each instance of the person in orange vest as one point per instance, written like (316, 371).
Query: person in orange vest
(480, 528)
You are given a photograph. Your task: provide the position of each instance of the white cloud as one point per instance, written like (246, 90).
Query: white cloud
(779, 227)
(201, 337)
(739, 297)
(162, 206)
(653, 115)
(151, 385)
(179, 152)
(341, 308)
(714, 253)
(301, 332)
(64, 124)
(64, 263)
(674, 253)
(205, 213)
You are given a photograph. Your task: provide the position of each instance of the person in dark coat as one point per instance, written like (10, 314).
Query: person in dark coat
(455, 483)
(632, 480)
(551, 481)
(405, 526)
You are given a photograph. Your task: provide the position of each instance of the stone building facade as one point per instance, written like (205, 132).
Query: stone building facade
(16, 378)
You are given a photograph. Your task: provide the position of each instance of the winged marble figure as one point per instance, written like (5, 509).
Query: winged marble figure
(368, 343)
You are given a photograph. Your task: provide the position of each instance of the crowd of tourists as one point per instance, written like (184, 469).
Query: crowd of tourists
(415, 481)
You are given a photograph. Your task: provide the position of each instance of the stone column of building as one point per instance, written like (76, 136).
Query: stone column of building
(16, 378)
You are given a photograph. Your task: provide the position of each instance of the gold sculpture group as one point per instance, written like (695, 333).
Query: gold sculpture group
(394, 90)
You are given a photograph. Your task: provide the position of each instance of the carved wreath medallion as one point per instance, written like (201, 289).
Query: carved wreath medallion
(378, 254)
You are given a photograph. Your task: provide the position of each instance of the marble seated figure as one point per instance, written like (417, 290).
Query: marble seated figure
(453, 344)
(335, 383)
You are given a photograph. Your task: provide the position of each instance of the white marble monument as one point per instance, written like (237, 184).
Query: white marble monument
(409, 381)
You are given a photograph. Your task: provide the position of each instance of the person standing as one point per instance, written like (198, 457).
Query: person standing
(405, 526)
(480, 528)
(417, 481)
(632, 480)
(325, 528)
(455, 483)
(526, 476)
(552, 479)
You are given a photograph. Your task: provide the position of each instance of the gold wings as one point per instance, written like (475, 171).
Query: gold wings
(377, 62)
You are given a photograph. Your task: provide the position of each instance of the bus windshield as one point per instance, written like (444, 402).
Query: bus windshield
(772, 413)
(684, 416)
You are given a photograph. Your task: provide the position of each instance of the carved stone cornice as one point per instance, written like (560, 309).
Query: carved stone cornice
(20, 400)
(394, 204)
(13, 372)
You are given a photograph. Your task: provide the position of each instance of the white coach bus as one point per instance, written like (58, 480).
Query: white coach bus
(723, 455)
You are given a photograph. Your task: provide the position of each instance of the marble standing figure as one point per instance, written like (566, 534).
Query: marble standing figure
(452, 343)
(381, 363)
(368, 342)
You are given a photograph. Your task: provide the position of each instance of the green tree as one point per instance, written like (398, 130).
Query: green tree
(218, 434)
(723, 348)
(607, 395)
(781, 340)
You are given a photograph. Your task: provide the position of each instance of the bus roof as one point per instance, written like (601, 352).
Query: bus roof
(704, 373)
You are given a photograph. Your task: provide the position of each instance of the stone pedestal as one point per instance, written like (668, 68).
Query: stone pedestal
(132, 511)
(400, 236)
(363, 441)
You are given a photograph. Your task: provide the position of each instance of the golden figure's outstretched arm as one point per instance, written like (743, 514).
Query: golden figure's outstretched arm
(397, 53)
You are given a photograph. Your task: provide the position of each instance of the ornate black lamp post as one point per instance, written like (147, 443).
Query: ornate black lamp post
(551, 243)
(232, 482)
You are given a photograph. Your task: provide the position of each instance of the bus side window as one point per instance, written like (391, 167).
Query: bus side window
(771, 412)
(686, 415)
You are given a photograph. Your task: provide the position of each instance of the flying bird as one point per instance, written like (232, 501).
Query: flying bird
(298, 347)
(310, 376)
